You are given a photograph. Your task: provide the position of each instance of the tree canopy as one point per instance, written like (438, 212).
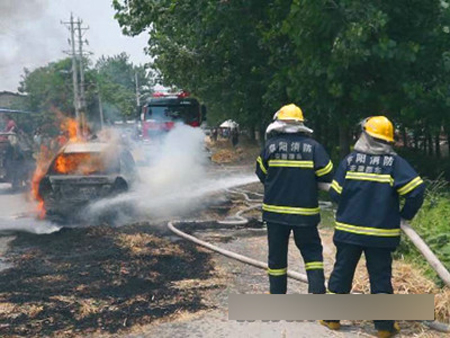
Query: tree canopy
(49, 89)
(116, 77)
(340, 60)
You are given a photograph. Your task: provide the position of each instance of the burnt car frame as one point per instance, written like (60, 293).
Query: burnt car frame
(84, 172)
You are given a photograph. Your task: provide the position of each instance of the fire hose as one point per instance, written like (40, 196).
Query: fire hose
(238, 219)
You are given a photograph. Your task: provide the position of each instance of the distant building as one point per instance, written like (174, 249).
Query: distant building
(12, 100)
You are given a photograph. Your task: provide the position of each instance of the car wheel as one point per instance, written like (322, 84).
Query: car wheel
(120, 186)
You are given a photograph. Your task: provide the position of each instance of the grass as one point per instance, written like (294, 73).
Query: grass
(326, 213)
(432, 224)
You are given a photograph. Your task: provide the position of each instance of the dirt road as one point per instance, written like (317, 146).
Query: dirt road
(138, 280)
(11, 205)
(241, 279)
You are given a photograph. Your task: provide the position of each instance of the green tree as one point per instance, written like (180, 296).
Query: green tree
(117, 76)
(211, 49)
(340, 60)
(351, 59)
(49, 89)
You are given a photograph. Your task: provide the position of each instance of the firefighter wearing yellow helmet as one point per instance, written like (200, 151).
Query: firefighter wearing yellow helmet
(289, 112)
(380, 128)
(367, 187)
(290, 166)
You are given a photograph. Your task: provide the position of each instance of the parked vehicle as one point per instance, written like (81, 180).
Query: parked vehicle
(162, 111)
(16, 150)
(16, 159)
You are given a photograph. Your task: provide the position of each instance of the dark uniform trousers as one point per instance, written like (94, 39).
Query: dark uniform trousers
(379, 267)
(308, 242)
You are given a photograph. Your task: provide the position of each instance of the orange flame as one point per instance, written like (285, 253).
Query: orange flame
(42, 162)
(82, 163)
(70, 128)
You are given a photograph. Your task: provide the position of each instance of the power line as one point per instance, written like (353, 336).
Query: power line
(76, 95)
(76, 42)
(81, 31)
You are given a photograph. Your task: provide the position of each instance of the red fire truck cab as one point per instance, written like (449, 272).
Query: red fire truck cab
(163, 111)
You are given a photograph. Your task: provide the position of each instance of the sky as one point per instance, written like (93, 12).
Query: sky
(31, 35)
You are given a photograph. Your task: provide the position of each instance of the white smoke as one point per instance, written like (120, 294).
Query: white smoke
(176, 182)
(28, 38)
(31, 34)
(179, 181)
(19, 214)
(179, 163)
(12, 225)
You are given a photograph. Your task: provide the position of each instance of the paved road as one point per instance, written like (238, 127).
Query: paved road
(10, 204)
(17, 215)
(243, 279)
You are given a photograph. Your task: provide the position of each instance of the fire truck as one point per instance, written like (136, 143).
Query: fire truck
(161, 112)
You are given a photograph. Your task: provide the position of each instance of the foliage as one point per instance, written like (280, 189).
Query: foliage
(211, 49)
(49, 90)
(116, 77)
(432, 224)
(426, 165)
(340, 60)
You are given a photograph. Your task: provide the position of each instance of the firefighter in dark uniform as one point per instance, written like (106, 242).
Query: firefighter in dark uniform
(290, 167)
(367, 186)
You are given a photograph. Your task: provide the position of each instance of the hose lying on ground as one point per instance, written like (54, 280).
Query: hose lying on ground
(426, 252)
(230, 254)
(438, 326)
(240, 220)
(418, 242)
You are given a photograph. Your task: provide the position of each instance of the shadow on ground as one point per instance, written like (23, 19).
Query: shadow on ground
(80, 281)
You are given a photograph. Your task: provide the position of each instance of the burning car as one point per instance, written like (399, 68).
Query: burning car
(83, 172)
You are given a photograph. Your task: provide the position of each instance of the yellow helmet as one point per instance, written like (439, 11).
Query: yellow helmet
(379, 127)
(289, 112)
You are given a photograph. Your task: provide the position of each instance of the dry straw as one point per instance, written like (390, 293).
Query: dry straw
(407, 279)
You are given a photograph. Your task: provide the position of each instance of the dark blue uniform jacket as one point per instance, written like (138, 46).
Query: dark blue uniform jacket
(367, 189)
(290, 167)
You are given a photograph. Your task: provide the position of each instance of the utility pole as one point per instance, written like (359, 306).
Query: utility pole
(100, 107)
(76, 96)
(138, 93)
(81, 64)
(79, 101)
(80, 55)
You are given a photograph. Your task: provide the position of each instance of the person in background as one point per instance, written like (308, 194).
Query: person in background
(37, 138)
(214, 133)
(234, 137)
(367, 187)
(10, 125)
(226, 132)
(290, 167)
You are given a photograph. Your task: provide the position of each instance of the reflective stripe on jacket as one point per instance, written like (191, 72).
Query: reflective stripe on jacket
(367, 189)
(290, 167)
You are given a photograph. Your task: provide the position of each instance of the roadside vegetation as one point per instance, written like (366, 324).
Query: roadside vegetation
(432, 224)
